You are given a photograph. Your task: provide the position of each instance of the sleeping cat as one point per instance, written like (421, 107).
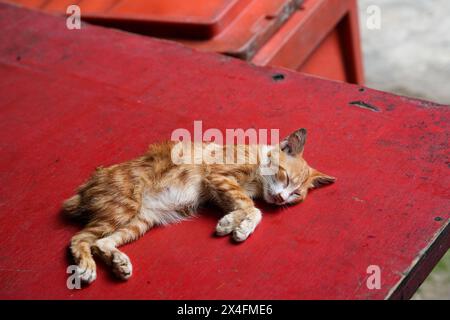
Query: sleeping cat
(120, 203)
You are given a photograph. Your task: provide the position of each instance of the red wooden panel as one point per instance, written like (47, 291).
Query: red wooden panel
(202, 18)
(238, 28)
(251, 30)
(30, 3)
(57, 5)
(328, 60)
(197, 18)
(73, 100)
(197, 11)
(97, 6)
(301, 38)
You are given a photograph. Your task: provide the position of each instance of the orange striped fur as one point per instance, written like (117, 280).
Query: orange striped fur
(122, 202)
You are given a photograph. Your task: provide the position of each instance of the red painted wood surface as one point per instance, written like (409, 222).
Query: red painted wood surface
(327, 60)
(199, 19)
(251, 30)
(74, 100)
(320, 39)
(244, 26)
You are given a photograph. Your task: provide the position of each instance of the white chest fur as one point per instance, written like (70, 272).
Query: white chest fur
(163, 208)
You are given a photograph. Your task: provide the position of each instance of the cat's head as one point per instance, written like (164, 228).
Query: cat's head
(289, 184)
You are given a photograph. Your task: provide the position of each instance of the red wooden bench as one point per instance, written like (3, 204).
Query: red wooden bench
(318, 37)
(72, 100)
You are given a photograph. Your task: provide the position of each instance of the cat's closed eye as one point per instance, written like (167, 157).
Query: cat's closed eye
(287, 181)
(283, 177)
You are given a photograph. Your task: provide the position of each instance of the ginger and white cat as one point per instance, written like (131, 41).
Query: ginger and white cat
(120, 203)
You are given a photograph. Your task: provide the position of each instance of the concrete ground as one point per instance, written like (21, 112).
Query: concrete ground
(410, 55)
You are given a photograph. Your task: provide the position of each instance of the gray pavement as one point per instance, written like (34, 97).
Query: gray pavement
(410, 53)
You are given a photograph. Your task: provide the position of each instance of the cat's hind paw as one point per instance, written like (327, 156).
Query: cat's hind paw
(86, 272)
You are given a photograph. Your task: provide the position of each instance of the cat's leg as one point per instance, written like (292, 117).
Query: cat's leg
(106, 247)
(244, 217)
(81, 248)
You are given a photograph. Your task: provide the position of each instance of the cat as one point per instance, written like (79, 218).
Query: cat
(122, 202)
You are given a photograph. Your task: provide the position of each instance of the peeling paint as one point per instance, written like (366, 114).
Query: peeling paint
(365, 105)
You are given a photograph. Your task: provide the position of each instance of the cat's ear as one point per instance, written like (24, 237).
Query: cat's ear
(294, 143)
(318, 179)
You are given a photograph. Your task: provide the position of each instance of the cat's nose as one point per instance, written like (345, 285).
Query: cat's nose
(278, 198)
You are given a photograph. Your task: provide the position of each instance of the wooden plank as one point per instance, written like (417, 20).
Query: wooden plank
(234, 27)
(296, 44)
(72, 100)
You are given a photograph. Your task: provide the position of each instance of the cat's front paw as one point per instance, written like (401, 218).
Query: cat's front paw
(241, 223)
(227, 224)
(247, 225)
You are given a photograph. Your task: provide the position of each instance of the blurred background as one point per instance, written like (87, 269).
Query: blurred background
(410, 55)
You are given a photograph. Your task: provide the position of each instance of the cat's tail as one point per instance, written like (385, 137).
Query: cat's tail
(72, 207)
